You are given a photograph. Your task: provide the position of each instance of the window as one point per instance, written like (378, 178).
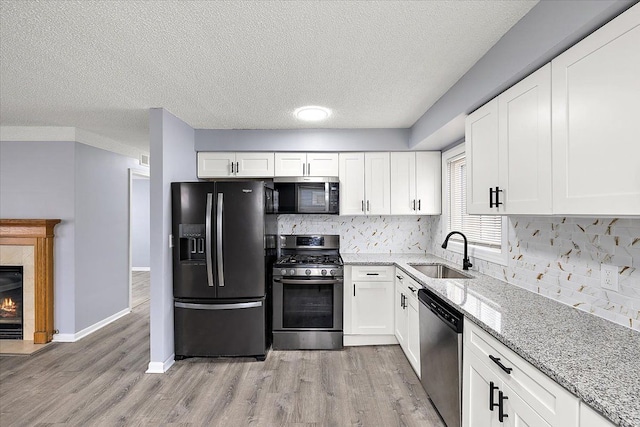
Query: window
(486, 234)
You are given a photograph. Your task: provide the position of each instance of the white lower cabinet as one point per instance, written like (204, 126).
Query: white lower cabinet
(502, 389)
(590, 418)
(368, 305)
(407, 322)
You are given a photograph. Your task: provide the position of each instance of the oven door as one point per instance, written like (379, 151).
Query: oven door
(307, 304)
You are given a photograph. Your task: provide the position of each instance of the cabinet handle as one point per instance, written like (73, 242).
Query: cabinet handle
(402, 299)
(354, 289)
(368, 209)
(231, 167)
(501, 399)
(412, 289)
(309, 169)
(497, 192)
(362, 203)
(414, 205)
(373, 274)
(419, 203)
(400, 277)
(496, 360)
(237, 167)
(303, 165)
(492, 388)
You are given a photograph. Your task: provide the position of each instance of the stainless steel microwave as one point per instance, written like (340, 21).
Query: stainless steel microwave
(307, 195)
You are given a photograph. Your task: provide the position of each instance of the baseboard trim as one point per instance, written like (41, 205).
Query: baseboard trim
(161, 367)
(140, 268)
(91, 329)
(356, 340)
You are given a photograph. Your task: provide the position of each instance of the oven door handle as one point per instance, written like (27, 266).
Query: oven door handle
(309, 282)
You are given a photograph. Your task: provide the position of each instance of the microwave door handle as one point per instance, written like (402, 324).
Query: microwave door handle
(208, 245)
(219, 223)
(326, 196)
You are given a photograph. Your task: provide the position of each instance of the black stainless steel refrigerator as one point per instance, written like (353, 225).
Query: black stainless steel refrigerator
(224, 234)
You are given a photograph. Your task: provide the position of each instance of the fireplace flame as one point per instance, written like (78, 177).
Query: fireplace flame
(8, 308)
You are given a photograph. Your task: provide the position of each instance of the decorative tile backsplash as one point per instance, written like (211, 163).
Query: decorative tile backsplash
(560, 258)
(366, 234)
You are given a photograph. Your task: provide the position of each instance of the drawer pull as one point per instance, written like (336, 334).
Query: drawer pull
(496, 360)
(412, 289)
(373, 274)
(400, 277)
(501, 414)
(492, 388)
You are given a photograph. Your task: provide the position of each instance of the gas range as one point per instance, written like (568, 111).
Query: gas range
(308, 293)
(309, 256)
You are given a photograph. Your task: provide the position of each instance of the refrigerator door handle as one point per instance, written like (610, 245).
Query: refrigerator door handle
(233, 306)
(220, 258)
(208, 240)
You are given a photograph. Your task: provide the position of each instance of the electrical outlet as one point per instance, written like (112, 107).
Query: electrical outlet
(609, 277)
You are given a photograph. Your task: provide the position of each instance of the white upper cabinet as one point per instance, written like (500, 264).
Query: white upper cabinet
(508, 144)
(415, 183)
(364, 184)
(306, 164)
(245, 165)
(596, 109)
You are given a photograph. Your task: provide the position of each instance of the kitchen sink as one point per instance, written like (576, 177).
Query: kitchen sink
(440, 271)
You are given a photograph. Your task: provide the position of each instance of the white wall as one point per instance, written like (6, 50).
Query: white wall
(174, 160)
(87, 188)
(560, 257)
(140, 224)
(101, 234)
(37, 180)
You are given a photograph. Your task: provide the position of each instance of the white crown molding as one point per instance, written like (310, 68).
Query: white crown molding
(67, 133)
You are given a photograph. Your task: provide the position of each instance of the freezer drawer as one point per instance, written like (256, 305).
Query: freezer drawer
(220, 329)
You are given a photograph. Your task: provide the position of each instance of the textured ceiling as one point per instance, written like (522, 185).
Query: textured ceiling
(100, 65)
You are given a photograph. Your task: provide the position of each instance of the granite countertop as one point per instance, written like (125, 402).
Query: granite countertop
(593, 358)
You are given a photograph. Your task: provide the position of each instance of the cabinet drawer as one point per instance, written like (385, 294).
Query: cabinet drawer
(409, 286)
(372, 273)
(555, 404)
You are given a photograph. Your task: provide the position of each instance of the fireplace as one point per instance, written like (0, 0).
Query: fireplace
(11, 303)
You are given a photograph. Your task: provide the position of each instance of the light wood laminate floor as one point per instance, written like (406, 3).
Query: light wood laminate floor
(100, 380)
(140, 287)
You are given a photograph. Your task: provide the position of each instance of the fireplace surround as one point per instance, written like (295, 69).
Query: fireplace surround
(30, 242)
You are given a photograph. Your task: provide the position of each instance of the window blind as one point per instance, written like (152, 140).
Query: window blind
(484, 230)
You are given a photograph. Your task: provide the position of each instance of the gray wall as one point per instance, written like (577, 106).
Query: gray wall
(37, 180)
(173, 154)
(547, 30)
(302, 140)
(102, 234)
(140, 223)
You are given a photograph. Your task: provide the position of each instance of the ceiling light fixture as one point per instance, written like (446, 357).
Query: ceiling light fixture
(312, 113)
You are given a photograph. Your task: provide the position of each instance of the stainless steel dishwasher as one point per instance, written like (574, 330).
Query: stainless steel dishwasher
(441, 355)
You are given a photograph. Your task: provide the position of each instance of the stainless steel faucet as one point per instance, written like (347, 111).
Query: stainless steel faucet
(465, 260)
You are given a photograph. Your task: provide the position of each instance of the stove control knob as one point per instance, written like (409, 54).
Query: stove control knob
(323, 272)
(332, 272)
(283, 272)
(292, 272)
(307, 272)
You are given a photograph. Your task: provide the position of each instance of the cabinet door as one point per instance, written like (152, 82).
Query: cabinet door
(524, 120)
(255, 165)
(372, 308)
(400, 314)
(351, 175)
(482, 151)
(428, 182)
(322, 164)
(289, 164)
(403, 183)
(215, 165)
(518, 413)
(590, 418)
(595, 94)
(477, 383)
(377, 184)
(412, 350)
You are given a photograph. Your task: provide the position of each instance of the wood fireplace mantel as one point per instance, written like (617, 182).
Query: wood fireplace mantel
(39, 234)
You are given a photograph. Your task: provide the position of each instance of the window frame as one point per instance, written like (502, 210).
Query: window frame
(493, 255)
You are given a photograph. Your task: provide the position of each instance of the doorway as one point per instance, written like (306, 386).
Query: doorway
(139, 237)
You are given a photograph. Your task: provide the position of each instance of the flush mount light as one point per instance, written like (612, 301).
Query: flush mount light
(312, 113)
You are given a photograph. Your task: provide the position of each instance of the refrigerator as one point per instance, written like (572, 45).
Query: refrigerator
(224, 246)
